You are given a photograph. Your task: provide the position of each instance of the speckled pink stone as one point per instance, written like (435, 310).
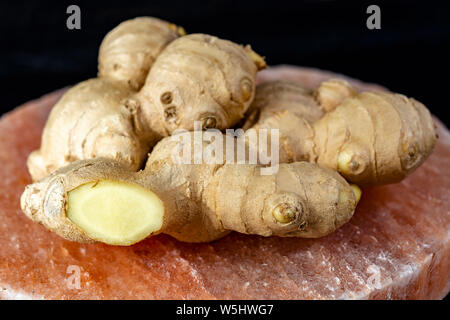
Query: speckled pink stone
(396, 246)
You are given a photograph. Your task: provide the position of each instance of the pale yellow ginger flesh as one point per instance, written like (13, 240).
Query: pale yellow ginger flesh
(114, 212)
(357, 191)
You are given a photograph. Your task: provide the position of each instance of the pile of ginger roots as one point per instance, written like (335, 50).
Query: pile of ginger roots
(105, 171)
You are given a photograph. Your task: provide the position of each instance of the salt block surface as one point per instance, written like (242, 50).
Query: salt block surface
(395, 247)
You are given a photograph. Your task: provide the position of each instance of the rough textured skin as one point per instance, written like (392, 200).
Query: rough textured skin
(377, 138)
(201, 78)
(195, 78)
(100, 122)
(275, 97)
(399, 232)
(129, 50)
(292, 109)
(371, 138)
(204, 202)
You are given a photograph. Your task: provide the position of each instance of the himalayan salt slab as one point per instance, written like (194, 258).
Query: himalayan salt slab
(395, 247)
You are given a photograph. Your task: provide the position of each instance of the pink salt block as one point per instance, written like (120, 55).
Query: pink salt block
(395, 247)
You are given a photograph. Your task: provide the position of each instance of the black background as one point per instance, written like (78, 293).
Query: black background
(410, 54)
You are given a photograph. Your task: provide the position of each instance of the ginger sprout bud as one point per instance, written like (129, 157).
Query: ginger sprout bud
(284, 214)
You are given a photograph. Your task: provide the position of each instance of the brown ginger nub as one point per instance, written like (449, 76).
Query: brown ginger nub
(371, 138)
(332, 93)
(195, 78)
(102, 200)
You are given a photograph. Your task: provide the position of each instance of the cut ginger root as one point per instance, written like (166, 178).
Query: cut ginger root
(115, 212)
(102, 200)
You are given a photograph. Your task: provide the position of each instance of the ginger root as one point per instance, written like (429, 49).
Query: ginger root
(201, 78)
(153, 81)
(102, 200)
(370, 138)
(129, 50)
(194, 78)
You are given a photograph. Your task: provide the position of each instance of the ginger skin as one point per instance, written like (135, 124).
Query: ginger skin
(102, 200)
(129, 50)
(195, 78)
(332, 93)
(370, 138)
